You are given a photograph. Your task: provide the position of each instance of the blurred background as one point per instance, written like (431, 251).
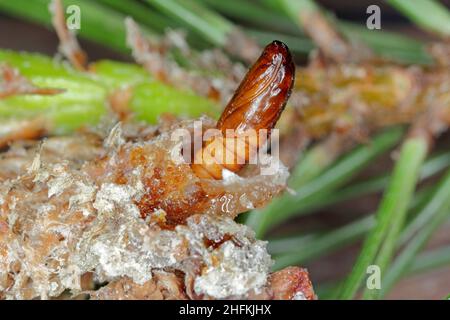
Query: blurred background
(20, 35)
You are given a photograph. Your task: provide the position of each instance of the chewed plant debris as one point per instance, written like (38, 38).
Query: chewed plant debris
(88, 209)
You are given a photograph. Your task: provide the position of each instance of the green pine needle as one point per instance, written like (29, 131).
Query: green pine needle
(428, 14)
(390, 216)
(435, 212)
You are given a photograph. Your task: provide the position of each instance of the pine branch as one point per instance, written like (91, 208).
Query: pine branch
(85, 99)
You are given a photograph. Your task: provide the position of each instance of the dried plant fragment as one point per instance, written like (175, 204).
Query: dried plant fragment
(155, 59)
(441, 52)
(291, 283)
(146, 53)
(13, 83)
(118, 101)
(21, 130)
(163, 286)
(329, 41)
(69, 46)
(240, 45)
